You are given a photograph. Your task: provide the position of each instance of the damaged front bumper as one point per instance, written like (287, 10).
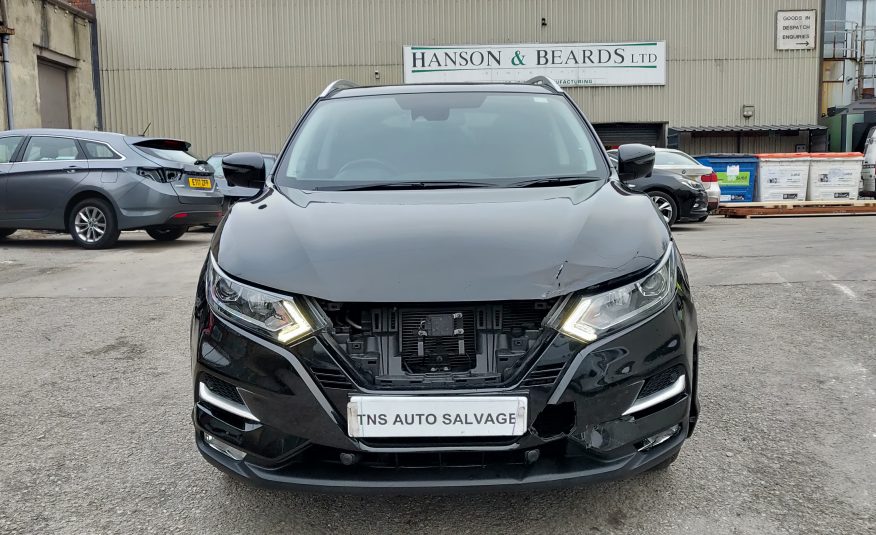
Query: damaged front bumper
(614, 408)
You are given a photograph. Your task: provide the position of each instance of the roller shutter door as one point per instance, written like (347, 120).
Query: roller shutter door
(614, 134)
(54, 98)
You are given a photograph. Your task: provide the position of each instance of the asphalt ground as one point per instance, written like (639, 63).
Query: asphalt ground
(96, 436)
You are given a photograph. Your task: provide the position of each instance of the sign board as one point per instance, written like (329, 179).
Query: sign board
(569, 64)
(795, 30)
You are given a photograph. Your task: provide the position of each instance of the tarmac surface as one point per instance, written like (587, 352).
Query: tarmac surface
(96, 434)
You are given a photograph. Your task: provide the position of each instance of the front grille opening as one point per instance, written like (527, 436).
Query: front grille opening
(437, 345)
(235, 423)
(544, 374)
(400, 460)
(435, 340)
(437, 442)
(222, 388)
(661, 381)
(331, 378)
(555, 420)
(314, 455)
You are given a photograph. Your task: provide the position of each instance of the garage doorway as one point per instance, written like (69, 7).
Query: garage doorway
(54, 95)
(615, 134)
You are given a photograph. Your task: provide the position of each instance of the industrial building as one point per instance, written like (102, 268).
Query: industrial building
(705, 76)
(49, 58)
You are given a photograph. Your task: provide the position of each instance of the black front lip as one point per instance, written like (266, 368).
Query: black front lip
(541, 475)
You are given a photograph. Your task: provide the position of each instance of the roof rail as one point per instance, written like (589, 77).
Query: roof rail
(337, 85)
(545, 81)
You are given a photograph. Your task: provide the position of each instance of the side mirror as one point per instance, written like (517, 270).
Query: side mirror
(244, 169)
(634, 161)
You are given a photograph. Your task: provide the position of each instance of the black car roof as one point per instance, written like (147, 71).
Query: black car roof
(437, 88)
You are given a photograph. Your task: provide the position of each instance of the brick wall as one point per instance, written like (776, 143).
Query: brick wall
(84, 5)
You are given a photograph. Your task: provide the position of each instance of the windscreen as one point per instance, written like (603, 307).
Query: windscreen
(494, 138)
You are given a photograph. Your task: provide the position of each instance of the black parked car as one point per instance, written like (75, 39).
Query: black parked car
(442, 286)
(679, 199)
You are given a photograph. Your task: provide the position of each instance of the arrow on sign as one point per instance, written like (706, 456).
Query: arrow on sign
(806, 43)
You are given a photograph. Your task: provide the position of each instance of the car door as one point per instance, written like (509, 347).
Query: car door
(39, 182)
(8, 147)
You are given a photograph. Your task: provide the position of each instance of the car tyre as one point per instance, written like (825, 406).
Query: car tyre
(6, 232)
(663, 466)
(92, 224)
(166, 232)
(666, 205)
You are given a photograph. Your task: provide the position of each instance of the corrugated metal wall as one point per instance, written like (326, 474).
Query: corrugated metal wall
(745, 144)
(235, 74)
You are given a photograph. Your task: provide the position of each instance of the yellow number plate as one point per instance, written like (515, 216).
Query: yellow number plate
(200, 183)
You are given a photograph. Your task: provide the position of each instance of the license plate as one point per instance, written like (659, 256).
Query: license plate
(436, 416)
(200, 183)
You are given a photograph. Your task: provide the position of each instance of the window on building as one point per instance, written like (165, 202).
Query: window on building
(47, 149)
(98, 151)
(8, 145)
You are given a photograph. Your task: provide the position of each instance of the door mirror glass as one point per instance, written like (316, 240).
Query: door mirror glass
(634, 161)
(244, 169)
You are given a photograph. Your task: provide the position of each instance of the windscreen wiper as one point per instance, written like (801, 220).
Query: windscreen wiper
(554, 181)
(420, 184)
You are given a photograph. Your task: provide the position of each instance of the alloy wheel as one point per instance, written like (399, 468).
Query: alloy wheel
(90, 224)
(664, 207)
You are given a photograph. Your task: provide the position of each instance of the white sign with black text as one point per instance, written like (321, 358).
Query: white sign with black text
(569, 64)
(436, 416)
(795, 30)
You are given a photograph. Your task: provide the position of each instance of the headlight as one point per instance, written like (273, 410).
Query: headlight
(692, 184)
(595, 315)
(274, 315)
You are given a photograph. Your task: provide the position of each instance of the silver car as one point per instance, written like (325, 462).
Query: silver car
(679, 162)
(96, 184)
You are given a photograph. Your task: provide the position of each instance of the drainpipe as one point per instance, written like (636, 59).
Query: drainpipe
(95, 75)
(5, 32)
(7, 82)
(861, 61)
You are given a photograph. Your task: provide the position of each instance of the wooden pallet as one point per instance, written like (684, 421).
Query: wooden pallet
(796, 208)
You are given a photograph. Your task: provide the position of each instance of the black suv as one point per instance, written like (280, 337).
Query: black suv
(442, 286)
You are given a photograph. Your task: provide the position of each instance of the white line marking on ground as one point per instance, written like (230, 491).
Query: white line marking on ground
(827, 275)
(846, 290)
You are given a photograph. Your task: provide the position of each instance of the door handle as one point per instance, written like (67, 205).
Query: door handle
(72, 169)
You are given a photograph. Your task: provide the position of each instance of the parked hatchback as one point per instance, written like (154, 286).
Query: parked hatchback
(442, 287)
(96, 184)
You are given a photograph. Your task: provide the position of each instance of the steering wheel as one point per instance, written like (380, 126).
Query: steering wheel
(366, 163)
